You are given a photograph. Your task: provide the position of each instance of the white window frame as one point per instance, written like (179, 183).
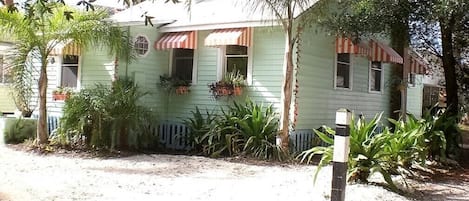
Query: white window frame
(59, 62)
(370, 71)
(194, 65)
(350, 73)
(412, 79)
(134, 46)
(221, 67)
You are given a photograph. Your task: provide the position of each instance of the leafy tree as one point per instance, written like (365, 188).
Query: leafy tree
(438, 25)
(46, 24)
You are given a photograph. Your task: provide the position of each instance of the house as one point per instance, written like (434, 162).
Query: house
(217, 37)
(7, 104)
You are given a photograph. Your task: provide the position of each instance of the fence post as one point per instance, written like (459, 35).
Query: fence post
(343, 118)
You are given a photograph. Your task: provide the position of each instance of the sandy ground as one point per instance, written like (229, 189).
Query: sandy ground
(28, 176)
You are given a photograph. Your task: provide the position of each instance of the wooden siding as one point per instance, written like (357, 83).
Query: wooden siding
(268, 53)
(415, 97)
(317, 98)
(96, 66)
(6, 101)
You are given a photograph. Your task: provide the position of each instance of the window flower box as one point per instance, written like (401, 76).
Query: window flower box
(61, 94)
(231, 85)
(174, 85)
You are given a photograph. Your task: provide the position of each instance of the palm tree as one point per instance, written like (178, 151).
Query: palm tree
(46, 24)
(284, 11)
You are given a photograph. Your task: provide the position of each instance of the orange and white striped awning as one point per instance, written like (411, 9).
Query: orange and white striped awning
(232, 36)
(417, 66)
(66, 48)
(384, 53)
(346, 45)
(185, 40)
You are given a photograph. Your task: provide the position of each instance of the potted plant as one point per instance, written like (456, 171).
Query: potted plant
(61, 93)
(174, 84)
(231, 84)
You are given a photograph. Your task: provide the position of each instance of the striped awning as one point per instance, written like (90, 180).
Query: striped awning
(185, 40)
(233, 36)
(346, 45)
(383, 53)
(417, 66)
(66, 48)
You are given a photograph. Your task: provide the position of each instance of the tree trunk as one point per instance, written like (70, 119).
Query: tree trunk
(8, 2)
(287, 94)
(449, 63)
(42, 135)
(399, 41)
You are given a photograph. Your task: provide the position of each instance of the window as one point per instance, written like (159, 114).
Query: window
(183, 64)
(69, 76)
(141, 45)
(376, 71)
(411, 80)
(236, 59)
(343, 71)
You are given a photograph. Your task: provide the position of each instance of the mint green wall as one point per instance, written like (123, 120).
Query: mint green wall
(6, 101)
(146, 69)
(96, 66)
(268, 51)
(317, 98)
(415, 97)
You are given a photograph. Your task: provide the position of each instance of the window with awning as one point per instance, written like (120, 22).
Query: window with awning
(383, 53)
(66, 48)
(173, 40)
(417, 66)
(232, 36)
(346, 45)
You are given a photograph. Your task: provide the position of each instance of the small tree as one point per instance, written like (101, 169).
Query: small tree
(46, 24)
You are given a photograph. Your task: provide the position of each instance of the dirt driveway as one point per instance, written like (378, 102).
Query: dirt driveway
(26, 176)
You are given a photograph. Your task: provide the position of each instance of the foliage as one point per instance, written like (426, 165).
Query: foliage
(228, 85)
(241, 129)
(18, 130)
(44, 25)
(441, 133)
(169, 84)
(22, 84)
(372, 151)
(200, 126)
(107, 116)
(62, 90)
(407, 144)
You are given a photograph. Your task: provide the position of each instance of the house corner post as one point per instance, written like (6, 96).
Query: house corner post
(341, 152)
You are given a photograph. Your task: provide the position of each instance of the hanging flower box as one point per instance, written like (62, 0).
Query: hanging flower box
(61, 94)
(231, 85)
(174, 85)
(181, 90)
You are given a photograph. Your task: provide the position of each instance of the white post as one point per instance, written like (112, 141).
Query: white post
(341, 151)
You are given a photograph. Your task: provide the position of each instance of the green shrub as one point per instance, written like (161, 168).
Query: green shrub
(107, 116)
(441, 133)
(241, 129)
(18, 130)
(367, 151)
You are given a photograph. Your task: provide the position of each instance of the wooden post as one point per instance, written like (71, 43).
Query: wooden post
(341, 151)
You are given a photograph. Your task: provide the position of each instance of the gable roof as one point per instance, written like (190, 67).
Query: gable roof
(206, 14)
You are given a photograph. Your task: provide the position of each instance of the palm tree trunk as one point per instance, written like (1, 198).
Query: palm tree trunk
(8, 2)
(42, 137)
(287, 94)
